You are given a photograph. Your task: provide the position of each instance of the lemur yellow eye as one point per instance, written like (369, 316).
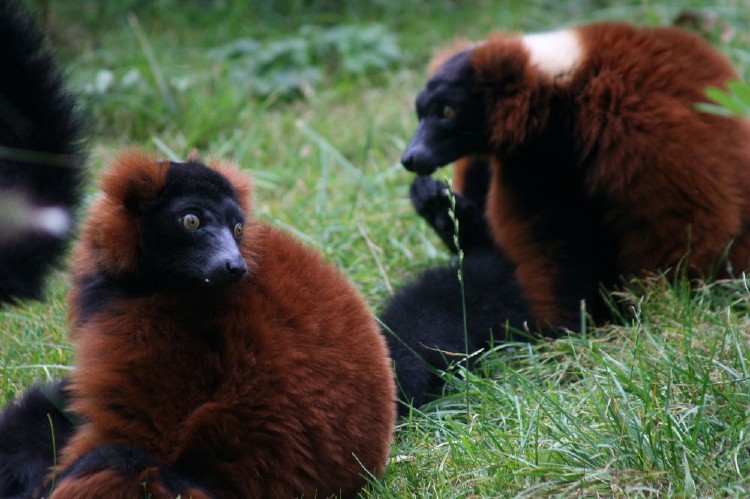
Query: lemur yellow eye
(237, 230)
(449, 113)
(191, 222)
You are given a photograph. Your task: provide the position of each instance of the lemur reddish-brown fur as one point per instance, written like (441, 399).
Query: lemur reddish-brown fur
(274, 382)
(602, 166)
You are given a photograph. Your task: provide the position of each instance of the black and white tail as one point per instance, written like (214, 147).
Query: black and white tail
(41, 156)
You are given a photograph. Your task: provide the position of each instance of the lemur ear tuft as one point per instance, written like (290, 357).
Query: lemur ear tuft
(134, 180)
(240, 181)
(502, 62)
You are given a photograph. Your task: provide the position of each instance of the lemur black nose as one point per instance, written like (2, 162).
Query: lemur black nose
(236, 268)
(407, 160)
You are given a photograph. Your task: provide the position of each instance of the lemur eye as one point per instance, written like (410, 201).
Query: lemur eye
(237, 230)
(191, 222)
(449, 113)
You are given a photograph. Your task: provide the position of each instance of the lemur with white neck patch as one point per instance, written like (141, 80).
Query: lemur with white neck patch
(601, 164)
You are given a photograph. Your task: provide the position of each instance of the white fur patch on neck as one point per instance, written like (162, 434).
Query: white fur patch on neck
(554, 54)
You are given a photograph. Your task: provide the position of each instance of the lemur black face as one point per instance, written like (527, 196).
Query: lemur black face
(451, 118)
(192, 232)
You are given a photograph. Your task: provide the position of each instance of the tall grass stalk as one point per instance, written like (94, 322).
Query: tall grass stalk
(460, 276)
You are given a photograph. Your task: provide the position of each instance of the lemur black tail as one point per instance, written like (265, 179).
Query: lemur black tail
(41, 156)
(33, 429)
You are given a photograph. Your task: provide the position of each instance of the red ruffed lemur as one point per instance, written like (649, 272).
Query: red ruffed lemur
(601, 164)
(215, 355)
(580, 154)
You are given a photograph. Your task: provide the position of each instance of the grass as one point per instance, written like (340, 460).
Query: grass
(656, 404)
(655, 407)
